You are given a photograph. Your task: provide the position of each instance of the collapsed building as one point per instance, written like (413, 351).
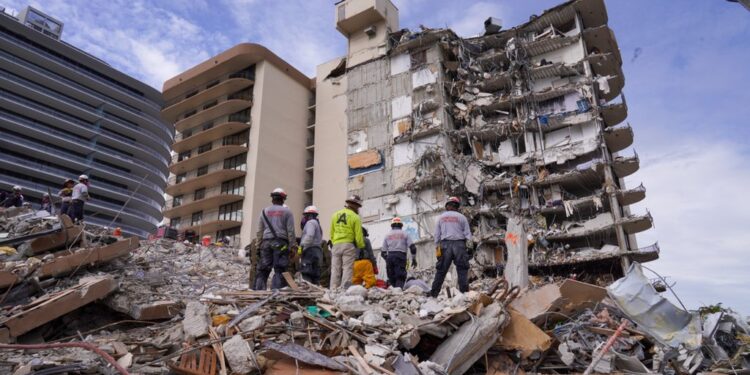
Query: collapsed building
(526, 125)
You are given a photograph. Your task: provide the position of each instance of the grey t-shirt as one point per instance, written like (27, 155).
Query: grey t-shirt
(311, 234)
(452, 225)
(282, 220)
(396, 240)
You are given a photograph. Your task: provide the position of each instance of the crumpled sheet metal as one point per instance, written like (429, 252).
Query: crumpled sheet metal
(668, 325)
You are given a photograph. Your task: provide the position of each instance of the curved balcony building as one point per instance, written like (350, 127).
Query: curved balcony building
(64, 113)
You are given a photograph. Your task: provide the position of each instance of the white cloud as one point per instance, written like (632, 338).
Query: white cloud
(697, 192)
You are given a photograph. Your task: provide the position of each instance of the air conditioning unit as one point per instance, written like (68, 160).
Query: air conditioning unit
(371, 31)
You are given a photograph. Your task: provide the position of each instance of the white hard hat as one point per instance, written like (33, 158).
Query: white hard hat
(83, 177)
(310, 210)
(278, 192)
(17, 188)
(46, 195)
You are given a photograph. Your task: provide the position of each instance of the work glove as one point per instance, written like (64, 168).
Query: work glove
(414, 263)
(330, 245)
(299, 250)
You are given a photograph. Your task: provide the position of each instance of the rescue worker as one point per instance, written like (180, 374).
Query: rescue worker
(365, 267)
(15, 199)
(453, 239)
(346, 237)
(310, 246)
(393, 251)
(79, 196)
(66, 195)
(276, 237)
(46, 203)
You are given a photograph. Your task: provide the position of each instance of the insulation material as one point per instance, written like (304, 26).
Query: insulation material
(357, 142)
(364, 159)
(405, 153)
(400, 63)
(423, 77)
(401, 127)
(401, 107)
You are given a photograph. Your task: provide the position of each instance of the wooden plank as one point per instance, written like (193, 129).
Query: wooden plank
(88, 290)
(8, 278)
(65, 264)
(362, 363)
(290, 280)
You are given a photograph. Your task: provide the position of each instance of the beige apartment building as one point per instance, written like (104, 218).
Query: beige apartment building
(243, 127)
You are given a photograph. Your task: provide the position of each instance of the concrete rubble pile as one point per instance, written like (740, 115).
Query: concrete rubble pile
(161, 306)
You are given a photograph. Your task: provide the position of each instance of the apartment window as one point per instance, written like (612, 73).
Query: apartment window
(247, 73)
(183, 155)
(212, 84)
(211, 104)
(234, 186)
(175, 222)
(238, 162)
(207, 126)
(231, 211)
(187, 133)
(177, 201)
(196, 218)
(190, 113)
(179, 178)
(202, 170)
(235, 139)
(246, 94)
(199, 194)
(204, 147)
(192, 93)
(241, 116)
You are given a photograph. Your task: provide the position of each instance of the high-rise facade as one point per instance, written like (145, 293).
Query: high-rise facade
(524, 125)
(243, 127)
(64, 113)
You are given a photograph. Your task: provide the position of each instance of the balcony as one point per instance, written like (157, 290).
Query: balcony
(219, 131)
(614, 113)
(224, 88)
(216, 154)
(216, 174)
(223, 108)
(213, 197)
(618, 138)
(212, 222)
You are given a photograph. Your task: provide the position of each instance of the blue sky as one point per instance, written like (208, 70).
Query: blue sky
(687, 71)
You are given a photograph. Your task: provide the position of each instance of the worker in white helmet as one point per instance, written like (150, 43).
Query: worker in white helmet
(276, 237)
(395, 245)
(79, 197)
(310, 246)
(16, 199)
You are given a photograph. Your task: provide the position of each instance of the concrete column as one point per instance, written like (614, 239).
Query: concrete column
(517, 267)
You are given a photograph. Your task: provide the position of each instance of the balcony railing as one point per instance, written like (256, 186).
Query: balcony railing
(209, 193)
(102, 98)
(211, 168)
(214, 215)
(33, 48)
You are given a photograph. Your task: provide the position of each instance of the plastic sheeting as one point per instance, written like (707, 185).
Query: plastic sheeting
(665, 322)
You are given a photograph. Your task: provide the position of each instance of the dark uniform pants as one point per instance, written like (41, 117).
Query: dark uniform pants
(64, 207)
(395, 266)
(75, 211)
(452, 252)
(312, 258)
(271, 258)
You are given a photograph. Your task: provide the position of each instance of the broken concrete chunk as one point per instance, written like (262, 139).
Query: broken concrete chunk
(126, 361)
(523, 335)
(373, 318)
(357, 290)
(251, 324)
(196, 321)
(239, 355)
(431, 307)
